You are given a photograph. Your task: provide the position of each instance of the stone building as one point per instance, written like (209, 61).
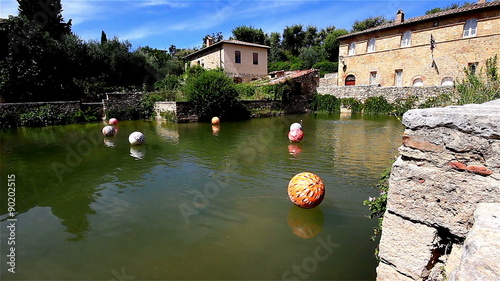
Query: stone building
(428, 50)
(240, 60)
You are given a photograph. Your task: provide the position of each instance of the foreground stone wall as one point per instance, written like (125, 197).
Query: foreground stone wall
(121, 104)
(391, 94)
(449, 163)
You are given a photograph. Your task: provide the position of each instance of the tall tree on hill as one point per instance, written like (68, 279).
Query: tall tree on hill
(293, 38)
(368, 23)
(46, 14)
(332, 45)
(249, 34)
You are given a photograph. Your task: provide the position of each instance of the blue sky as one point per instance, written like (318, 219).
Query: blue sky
(161, 23)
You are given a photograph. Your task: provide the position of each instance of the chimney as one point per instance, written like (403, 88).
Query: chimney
(481, 1)
(210, 41)
(400, 16)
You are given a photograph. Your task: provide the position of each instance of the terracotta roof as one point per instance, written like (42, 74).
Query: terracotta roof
(460, 10)
(229, 41)
(290, 75)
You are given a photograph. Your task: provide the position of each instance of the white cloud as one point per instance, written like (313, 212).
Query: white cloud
(172, 4)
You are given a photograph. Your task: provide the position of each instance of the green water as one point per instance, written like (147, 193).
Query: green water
(191, 205)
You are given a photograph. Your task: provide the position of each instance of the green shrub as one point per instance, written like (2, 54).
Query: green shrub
(326, 67)
(377, 205)
(439, 101)
(479, 88)
(325, 103)
(377, 105)
(353, 104)
(147, 105)
(46, 115)
(213, 94)
(402, 105)
(246, 91)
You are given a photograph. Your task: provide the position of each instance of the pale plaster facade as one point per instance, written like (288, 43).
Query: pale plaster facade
(384, 61)
(240, 60)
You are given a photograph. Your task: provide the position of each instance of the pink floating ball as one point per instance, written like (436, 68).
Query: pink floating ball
(136, 138)
(113, 121)
(108, 131)
(216, 120)
(295, 135)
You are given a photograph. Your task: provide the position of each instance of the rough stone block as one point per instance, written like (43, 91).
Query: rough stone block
(477, 119)
(481, 251)
(403, 241)
(438, 196)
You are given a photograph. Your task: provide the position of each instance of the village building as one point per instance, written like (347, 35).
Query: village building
(429, 50)
(242, 61)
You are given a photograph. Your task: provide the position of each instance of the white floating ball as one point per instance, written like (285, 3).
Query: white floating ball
(295, 126)
(108, 131)
(136, 138)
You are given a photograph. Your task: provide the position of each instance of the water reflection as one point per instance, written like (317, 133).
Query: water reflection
(168, 131)
(215, 130)
(295, 149)
(109, 142)
(305, 223)
(138, 152)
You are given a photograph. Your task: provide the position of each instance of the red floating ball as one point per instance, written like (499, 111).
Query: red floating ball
(306, 190)
(113, 121)
(295, 135)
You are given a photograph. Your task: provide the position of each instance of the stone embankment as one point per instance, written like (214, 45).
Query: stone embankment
(443, 209)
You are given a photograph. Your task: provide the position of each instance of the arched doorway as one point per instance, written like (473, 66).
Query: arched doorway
(350, 80)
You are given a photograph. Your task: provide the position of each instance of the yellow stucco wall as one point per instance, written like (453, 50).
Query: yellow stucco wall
(452, 54)
(223, 55)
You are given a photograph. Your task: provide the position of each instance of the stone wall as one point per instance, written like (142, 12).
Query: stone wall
(10, 112)
(182, 112)
(391, 94)
(448, 165)
(122, 105)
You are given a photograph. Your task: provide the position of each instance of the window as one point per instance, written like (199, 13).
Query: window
(399, 77)
(255, 58)
(472, 67)
(237, 57)
(418, 82)
(470, 28)
(371, 45)
(406, 39)
(447, 81)
(352, 48)
(373, 78)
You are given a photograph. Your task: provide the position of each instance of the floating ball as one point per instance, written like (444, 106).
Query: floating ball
(295, 126)
(306, 190)
(295, 135)
(136, 138)
(109, 131)
(215, 120)
(113, 121)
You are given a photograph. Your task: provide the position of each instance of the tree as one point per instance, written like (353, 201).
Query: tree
(332, 44)
(368, 23)
(293, 38)
(216, 37)
(310, 36)
(249, 34)
(449, 7)
(104, 38)
(212, 94)
(46, 14)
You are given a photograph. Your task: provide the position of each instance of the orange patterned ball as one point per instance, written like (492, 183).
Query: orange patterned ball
(306, 190)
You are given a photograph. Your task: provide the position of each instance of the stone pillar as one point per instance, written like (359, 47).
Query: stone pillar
(449, 163)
